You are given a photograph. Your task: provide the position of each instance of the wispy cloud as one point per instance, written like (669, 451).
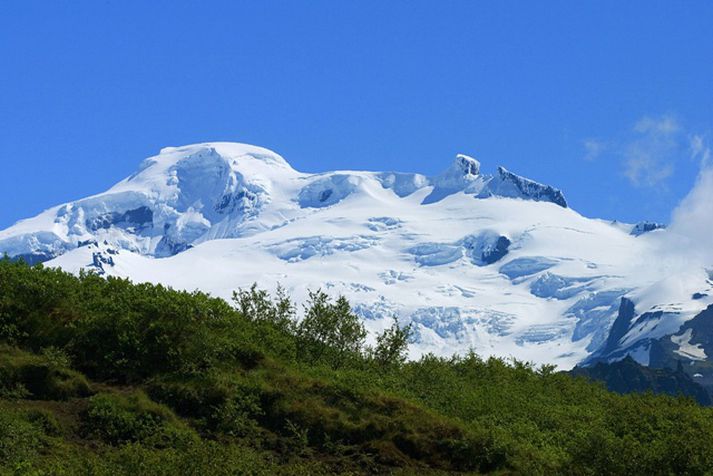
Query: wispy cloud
(700, 150)
(593, 148)
(650, 151)
(666, 125)
(650, 155)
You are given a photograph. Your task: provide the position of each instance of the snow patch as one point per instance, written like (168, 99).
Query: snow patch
(686, 349)
(329, 190)
(527, 266)
(301, 249)
(549, 285)
(436, 254)
(378, 224)
(392, 277)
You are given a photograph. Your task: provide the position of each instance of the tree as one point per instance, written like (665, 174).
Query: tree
(330, 330)
(392, 345)
(257, 305)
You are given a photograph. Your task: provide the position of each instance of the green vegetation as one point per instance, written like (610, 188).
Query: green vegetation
(102, 376)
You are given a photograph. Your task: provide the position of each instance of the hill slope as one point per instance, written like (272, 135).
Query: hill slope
(100, 376)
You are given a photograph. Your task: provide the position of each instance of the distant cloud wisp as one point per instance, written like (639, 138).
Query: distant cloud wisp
(651, 150)
(593, 148)
(700, 150)
(649, 158)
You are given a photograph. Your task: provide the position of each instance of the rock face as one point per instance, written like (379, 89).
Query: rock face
(507, 184)
(464, 175)
(496, 262)
(621, 326)
(627, 376)
(646, 227)
(487, 247)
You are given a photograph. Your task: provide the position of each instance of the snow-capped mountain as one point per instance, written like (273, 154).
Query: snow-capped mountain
(495, 262)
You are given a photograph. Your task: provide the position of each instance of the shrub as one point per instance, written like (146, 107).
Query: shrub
(20, 439)
(226, 403)
(45, 376)
(118, 419)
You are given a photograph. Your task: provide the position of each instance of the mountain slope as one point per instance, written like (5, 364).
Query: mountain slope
(627, 376)
(495, 262)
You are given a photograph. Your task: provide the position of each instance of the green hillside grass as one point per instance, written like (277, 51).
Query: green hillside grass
(102, 376)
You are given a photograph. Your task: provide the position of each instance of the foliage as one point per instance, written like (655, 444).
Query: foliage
(330, 332)
(256, 304)
(392, 345)
(102, 376)
(117, 419)
(45, 376)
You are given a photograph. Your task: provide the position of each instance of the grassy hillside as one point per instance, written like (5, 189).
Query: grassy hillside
(102, 376)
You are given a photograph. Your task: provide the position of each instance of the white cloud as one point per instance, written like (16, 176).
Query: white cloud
(700, 150)
(593, 148)
(644, 169)
(650, 156)
(661, 125)
(692, 220)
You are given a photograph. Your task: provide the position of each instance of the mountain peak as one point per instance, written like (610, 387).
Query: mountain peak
(199, 192)
(509, 184)
(466, 164)
(202, 164)
(228, 151)
(462, 174)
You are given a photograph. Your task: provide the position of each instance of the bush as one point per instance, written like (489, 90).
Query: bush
(45, 376)
(20, 439)
(225, 403)
(118, 419)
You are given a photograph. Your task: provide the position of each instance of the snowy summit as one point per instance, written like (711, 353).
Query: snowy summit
(498, 263)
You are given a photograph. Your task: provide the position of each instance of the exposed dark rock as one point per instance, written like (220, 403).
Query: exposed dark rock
(645, 227)
(497, 251)
(699, 333)
(138, 219)
(239, 200)
(508, 184)
(486, 248)
(34, 258)
(99, 260)
(627, 376)
(325, 195)
(168, 247)
(621, 325)
(467, 165)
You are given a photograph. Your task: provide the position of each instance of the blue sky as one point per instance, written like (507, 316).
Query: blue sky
(610, 101)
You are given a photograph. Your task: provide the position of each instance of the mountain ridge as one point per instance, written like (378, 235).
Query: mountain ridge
(496, 262)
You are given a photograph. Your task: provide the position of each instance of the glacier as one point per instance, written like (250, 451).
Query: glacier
(497, 262)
